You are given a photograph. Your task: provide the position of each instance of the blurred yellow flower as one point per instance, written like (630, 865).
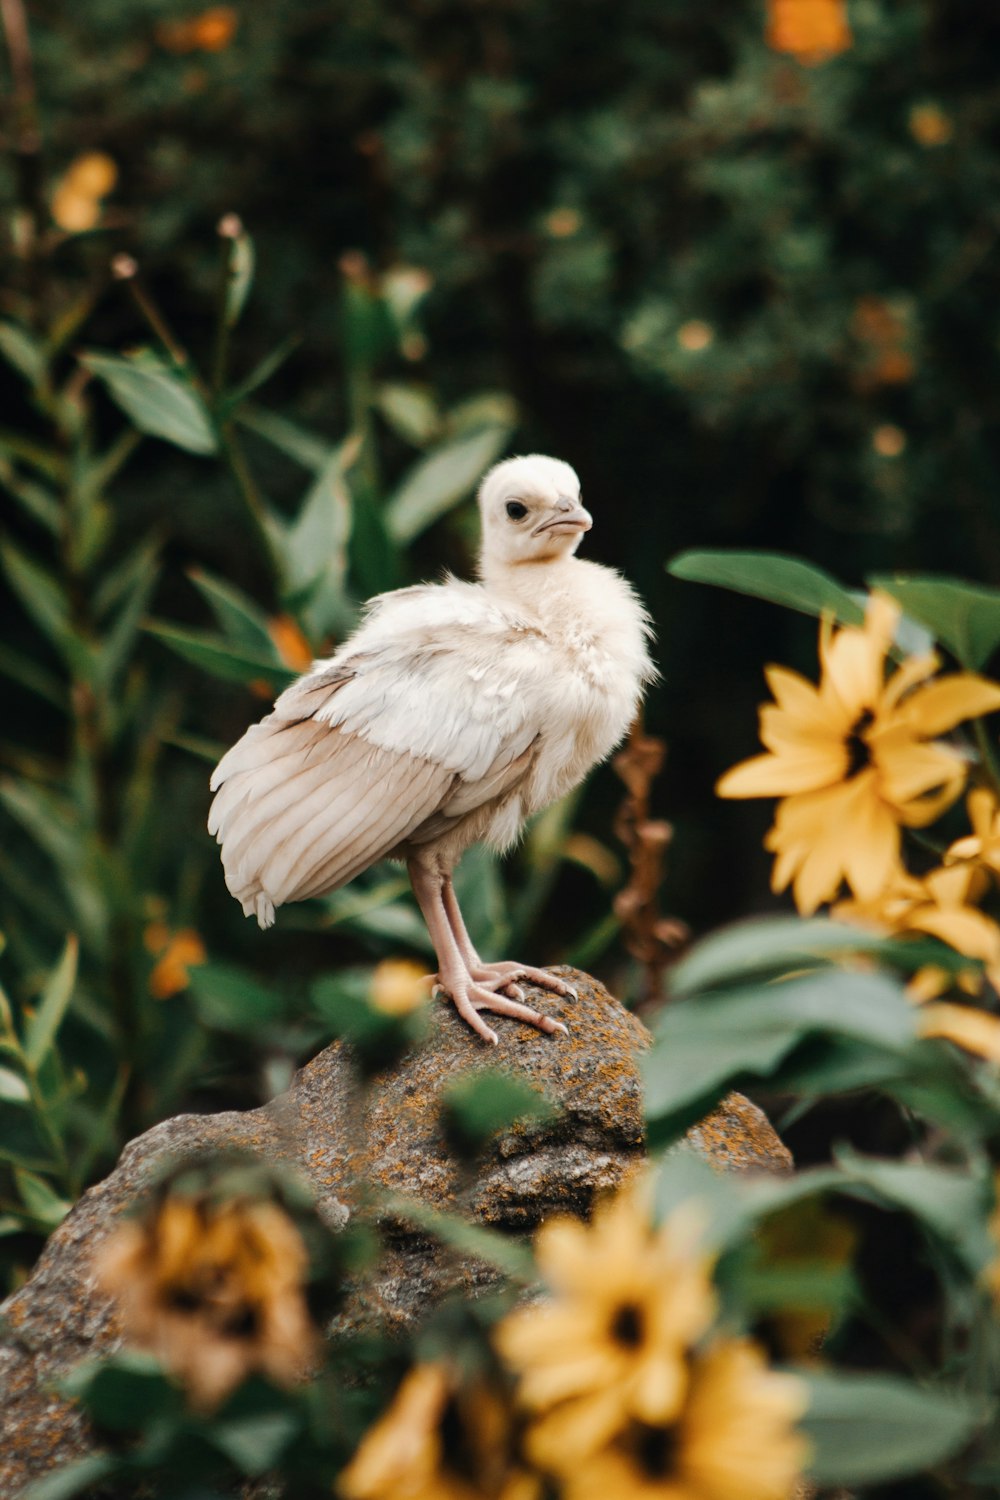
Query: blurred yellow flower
(179, 952)
(967, 1026)
(442, 1438)
(290, 643)
(78, 196)
(983, 844)
(210, 31)
(852, 761)
(735, 1439)
(398, 986)
(214, 1290)
(629, 1302)
(888, 440)
(811, 30)
(930, 126)
(695, 335)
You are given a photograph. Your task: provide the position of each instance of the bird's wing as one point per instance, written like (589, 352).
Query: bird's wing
(403, 733)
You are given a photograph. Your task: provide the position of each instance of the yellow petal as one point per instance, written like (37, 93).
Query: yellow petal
(913, 670)
(907, 769)
(941, 705)
(968, 931)
(972, 1029)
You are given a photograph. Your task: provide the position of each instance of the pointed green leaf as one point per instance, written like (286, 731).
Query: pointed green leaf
(39, 592)
(438, 482)
(410, 411)
(23, 352)
(157, 399)
(40, 1199)
(41, 1029)
(241, 269)
(314, 546)
(13, 1089)
(772, 576)
(760, 945)
(35, 678)
(76, 1478)
(963, 618)
(255, 1444)
(212, 654)
(288, 437)
(869, 1428)
(244, 625)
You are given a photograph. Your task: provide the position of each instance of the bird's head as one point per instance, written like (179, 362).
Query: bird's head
(531, 511)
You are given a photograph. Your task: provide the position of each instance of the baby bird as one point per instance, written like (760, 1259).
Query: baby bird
(452, 713)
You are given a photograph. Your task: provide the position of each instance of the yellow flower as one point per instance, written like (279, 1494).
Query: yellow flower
(629, 1302)
(983, 844)
(967, 1026)
(991, 1275)
(811, 30)
(939, 904)
(398, 986)
(289, 642)
(734, 1439)
(79, 193)
(211, 31)
(852, 761)
(179, 951)
(441, 1439)
(214, 1290)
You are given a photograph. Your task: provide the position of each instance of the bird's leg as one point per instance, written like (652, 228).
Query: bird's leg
(454, 972)
(499, 976)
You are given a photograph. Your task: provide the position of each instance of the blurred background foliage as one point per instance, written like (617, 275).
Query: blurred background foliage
(743, 280)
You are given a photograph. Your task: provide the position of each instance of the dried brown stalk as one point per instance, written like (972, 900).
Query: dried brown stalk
(650, 937)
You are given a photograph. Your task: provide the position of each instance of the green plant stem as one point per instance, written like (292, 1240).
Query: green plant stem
(253, 500)
(988, 756)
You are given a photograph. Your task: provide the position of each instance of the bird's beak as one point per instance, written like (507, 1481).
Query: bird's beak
(575, 519)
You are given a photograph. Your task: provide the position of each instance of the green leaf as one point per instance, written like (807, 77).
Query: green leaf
(40, 1199)
(76, 1479)
(469, 1239)
(314, 546)
(39, 592)
(23, 353)
(255, 1444)
(13, 1089)
(483, 1103)
(869, 1428)
(766, 945)
(438, 482)
(963, 618)
(40, 1032)
(288, 437)
(953, 1204)
(772, 576)
(242, 623)
(234, 1000)
(240, 279)
(705, 1043)
(158, 400)
(125, 1393)
(410, 411)
(35, 678)
(212, 654)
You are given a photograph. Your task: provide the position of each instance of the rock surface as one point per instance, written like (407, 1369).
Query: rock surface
(317, 1129)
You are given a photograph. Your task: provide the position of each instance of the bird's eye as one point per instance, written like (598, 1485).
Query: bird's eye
(516, 510)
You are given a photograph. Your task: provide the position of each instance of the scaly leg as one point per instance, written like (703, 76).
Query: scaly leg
(454, 972)
(502, 976)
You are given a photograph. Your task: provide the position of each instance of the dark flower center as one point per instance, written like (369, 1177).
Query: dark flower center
(656, 1450)
(858, 753)
(242, 1322)
(628, 1326)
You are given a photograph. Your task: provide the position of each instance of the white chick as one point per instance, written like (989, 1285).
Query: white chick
(454, 712)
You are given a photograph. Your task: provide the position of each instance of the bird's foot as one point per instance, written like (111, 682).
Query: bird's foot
(469, 997)
(505, 976)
